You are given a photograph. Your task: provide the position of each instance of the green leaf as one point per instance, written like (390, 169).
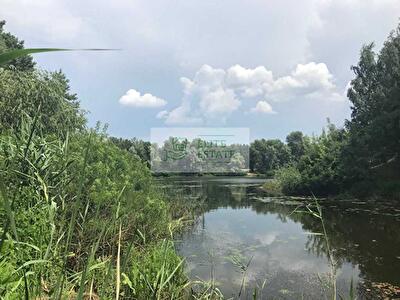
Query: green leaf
(13, 54)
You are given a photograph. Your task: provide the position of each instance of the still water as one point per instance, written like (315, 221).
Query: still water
(244, 240)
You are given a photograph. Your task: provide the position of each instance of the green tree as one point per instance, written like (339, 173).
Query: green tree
(321, 166)
(375, 96)
(135, 146)
(295, 142)
(10, 42)
(237, 162)
(268, 155)
(42, 94)
(319, 170)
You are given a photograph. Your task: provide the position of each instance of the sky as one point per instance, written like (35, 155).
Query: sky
(270, 66)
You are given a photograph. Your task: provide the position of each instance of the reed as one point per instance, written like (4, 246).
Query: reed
(81, 217)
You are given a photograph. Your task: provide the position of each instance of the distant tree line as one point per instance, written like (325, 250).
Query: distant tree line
(135, 146)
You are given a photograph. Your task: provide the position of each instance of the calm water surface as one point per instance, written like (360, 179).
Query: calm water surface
(243, 236)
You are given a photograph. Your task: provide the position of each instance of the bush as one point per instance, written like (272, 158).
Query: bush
(290, 180)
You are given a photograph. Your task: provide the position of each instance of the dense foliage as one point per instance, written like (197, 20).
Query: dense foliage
(319, 170)
(134, 146)
(42, 94)
(79, 215)
(268, 155)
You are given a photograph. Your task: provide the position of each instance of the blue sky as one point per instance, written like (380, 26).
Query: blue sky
(272, 66)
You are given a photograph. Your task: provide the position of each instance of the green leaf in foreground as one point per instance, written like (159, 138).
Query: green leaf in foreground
(13, 54)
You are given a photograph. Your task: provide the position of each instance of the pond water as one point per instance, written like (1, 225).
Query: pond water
(244, 240)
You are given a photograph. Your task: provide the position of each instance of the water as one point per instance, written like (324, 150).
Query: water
(243, 239)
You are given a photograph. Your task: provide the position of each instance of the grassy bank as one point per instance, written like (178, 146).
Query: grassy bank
(81, 217)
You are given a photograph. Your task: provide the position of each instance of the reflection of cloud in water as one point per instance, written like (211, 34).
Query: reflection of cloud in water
(277, 248)
(266, 239)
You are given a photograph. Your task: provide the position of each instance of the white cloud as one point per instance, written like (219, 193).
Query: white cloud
(262, 107)
(249, 81)
(220, 101)
(181, 115)
(311, 80)
(135, 99)
(162, 114)
(309, 77)
(206, 98)
(214, 94)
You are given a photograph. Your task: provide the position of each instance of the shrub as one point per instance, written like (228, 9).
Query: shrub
(290, 180)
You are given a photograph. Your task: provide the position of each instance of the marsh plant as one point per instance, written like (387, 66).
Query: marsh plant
(315, 210)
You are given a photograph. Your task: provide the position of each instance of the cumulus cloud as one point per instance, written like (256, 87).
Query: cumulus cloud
(135, 99)
(206, 98)
(182, 115)
(310, 77)
(262, 107)
(214, 94)
(249, 82)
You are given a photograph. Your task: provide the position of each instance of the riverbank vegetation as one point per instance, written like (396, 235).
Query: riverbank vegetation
(80, 217)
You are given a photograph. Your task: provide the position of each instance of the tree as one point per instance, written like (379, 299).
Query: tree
(135, 146)
(319, 170)
(295, 142)
(321, 166)
(237, 162)
(268, 155)
(375, 96)
(9, 42)
(25, 95)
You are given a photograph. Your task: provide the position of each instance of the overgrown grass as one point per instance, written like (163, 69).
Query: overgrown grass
(81, 217)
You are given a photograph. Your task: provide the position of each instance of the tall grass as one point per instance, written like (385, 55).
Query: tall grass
(80, 218)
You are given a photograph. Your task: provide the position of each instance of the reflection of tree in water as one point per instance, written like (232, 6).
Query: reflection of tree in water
(215, 194)
(371, 241)
(365, 237)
